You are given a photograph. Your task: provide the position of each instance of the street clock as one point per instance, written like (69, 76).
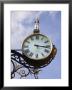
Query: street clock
(37, 48)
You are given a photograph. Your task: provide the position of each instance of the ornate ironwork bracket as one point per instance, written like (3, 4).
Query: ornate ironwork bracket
(21, 67)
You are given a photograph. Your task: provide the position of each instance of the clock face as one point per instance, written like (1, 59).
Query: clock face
(37, 47)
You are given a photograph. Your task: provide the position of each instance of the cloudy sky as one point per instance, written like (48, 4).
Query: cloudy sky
(22, 25)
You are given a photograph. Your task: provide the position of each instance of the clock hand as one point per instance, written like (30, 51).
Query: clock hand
(36, 46)
(41, 46)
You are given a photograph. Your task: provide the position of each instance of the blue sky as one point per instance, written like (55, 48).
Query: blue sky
(22, 24)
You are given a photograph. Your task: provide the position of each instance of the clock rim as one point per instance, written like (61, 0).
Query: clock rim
(33, 35)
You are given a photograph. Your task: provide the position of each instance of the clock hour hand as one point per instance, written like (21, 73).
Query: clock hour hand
(41, 46)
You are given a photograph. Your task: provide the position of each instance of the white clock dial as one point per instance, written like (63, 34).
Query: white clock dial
(37, 47)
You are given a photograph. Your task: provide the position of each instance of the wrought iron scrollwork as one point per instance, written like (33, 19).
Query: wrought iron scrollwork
(21, 67)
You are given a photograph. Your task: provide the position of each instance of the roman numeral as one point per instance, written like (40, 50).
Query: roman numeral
(46, 41)
(42, 38)
(27, 41)
(32, 38)
(48, 46)
(47, 51)
(26, 46)
(31, 54)
(26, 51)
(36, 55)
(42, 54)
(37, 36)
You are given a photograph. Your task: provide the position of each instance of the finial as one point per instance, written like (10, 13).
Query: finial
(36, 27)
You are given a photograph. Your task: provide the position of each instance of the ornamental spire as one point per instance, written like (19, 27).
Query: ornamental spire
(36, 26)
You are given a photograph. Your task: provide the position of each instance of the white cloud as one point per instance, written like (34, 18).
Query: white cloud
(53, 14)
(19, 31)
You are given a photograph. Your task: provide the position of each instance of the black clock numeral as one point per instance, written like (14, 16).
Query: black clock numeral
(46, 41)
(47, 51)
(37, 36)
(36, 55)
(42, 38)
(31, 54)
(27, 51)
(32, 38)
(26, 46)
(27, 41)
(48, 46)
(42, 54)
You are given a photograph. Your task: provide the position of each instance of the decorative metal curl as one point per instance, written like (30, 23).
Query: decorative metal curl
(17, 58)
(19, 64)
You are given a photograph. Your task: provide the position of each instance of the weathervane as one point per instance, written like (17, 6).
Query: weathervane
(37, 52)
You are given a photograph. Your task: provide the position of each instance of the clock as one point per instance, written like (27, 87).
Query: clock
(37, 48)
